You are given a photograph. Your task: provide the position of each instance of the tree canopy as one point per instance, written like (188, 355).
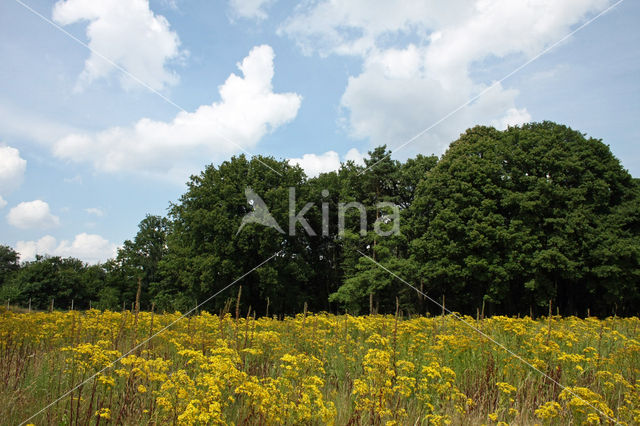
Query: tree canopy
(524, 216)
(509, 219)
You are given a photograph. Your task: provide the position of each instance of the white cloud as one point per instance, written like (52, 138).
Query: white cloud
(32, 215)
(389, 105)
(355, 27)
(314, 164)
(129, 34)
(406, 86)
(12, 168)
(29, 249)
(3, 202)
(248, 109)
(461, 30)
(91, 248)
(513, 117)
(95, 211)
(356, 156)
(250, 9)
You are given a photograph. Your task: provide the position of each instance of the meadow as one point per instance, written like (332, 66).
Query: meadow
(316, 369)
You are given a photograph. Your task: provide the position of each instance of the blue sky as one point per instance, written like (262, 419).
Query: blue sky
(88, 146)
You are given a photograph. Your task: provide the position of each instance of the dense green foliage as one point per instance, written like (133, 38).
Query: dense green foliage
(509, 220)
(527, 215)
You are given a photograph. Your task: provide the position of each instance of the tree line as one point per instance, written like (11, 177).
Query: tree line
(509, 221)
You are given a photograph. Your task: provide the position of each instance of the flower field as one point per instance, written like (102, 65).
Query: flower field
(316, 369)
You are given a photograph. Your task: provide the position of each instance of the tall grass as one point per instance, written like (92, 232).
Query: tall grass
(316, 369)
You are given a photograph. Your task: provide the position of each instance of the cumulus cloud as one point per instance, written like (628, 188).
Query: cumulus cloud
(250, 9)
(406, 86)
(129, 34)
(513, 117)
(12, 168)
(29, 249)
(389, 104)
(91, 248)
(459, 30)
(315, 164)
(32, 215)
(3, 203)
(248, 109)
(354, 155)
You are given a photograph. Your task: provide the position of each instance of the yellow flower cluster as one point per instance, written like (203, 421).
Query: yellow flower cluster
(317, 369)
